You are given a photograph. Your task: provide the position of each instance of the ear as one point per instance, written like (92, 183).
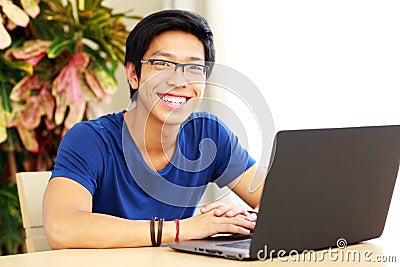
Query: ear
(131, 75)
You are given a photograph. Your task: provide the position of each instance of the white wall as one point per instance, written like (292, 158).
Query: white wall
(318, 63)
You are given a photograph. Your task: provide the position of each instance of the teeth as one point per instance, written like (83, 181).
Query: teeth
(174, 100)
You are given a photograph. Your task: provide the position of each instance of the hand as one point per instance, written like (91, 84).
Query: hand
(228, 210)
(208, 224)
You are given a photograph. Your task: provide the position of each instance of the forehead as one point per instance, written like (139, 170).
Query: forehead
(176, 45)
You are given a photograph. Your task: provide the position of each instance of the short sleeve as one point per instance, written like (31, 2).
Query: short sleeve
(232, 159)
(81, 156)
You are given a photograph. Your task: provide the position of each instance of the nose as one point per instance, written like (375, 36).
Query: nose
(182, 67)
(177, 77)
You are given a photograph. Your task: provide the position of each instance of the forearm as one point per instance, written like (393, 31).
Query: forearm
(82, 229)
(69, 222)
(249, 186)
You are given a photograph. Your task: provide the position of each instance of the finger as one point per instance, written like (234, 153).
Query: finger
(238, 221)
(211, 206)
(237, 210)
(250, 225)
(231, 210)
(252, 217)
(222, 210)
(237, 225)
(234, 229)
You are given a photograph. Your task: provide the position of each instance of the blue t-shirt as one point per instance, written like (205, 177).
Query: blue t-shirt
(101, 155)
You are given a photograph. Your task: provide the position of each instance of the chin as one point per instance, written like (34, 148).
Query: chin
(176, 118)
(177, 115)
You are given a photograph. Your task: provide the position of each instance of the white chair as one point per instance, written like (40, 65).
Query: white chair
(31, 187)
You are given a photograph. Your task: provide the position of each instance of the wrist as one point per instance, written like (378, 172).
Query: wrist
(169, 232)
(156, 237)
(177, 226)
(183, 234)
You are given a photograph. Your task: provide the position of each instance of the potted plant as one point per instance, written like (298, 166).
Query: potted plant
(58, 61)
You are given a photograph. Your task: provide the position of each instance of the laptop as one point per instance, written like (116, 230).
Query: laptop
(323, 187)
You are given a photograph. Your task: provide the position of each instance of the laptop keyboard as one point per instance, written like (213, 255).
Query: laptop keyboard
(242, 244)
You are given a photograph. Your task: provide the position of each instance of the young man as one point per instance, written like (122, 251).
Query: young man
(115, 175)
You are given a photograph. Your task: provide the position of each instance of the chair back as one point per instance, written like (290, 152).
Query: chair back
(31, 187)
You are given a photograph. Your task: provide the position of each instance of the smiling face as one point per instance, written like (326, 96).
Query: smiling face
(166, 95)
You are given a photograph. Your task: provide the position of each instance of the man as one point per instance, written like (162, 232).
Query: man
(116, 175)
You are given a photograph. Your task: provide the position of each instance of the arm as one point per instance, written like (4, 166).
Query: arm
(246, 189)
(69, 222)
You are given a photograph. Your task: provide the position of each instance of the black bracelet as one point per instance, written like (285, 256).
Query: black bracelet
(154, 242)
(160, 228)
(152, 234)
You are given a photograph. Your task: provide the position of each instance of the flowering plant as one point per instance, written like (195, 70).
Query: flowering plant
(57, 64)
(58, 60)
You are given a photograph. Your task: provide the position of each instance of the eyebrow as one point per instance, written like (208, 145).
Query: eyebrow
(169, 55)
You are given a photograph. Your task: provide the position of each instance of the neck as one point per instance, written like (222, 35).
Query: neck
(150, 134)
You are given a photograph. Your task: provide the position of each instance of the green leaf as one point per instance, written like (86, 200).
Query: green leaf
(98, 62)
(133, 17)
(11, 236)
(19, 65)
(100, 14)
(5, 99)
(106, 80)
(120, 53)
(58, 46)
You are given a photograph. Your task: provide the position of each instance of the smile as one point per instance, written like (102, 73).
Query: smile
(173, 100)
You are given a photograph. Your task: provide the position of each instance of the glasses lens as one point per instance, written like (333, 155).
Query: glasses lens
(195, 71)
(161, 65)
(190, 71)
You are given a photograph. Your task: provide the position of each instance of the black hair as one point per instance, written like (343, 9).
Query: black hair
(148, 28)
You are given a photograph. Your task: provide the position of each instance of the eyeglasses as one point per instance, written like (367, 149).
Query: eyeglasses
(191, 71)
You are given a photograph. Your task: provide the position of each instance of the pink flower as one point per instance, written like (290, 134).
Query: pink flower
(31, 100)
(31, 52)
(69, 79)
